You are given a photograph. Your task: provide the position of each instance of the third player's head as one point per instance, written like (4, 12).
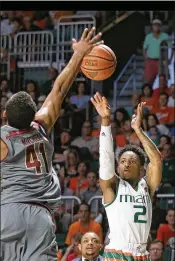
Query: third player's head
(130, 162)
(20, 110)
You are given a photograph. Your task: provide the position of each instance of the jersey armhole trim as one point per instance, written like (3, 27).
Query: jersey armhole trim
(108, 204)
(3, 160)
(149, 190)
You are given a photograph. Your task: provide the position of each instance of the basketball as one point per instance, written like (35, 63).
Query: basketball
(99, 64)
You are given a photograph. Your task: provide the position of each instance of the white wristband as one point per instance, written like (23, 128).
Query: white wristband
(107, 159)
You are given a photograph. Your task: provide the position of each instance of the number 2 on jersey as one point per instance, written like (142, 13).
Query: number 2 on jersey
(142, 212)
(33, 153)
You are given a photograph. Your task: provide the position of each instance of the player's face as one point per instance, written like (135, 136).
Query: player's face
(129, 166)
(90, 245)
(171, 217)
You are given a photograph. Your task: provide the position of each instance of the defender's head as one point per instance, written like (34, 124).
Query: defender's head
(20, 110)
(130, 163)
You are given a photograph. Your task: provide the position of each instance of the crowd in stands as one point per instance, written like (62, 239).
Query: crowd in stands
(76, 157)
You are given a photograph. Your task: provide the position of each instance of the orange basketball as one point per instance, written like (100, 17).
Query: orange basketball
(99, 64)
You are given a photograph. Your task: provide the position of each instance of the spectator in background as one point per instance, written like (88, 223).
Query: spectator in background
(69, 170)
(162, 87)
(86, 140)
(147, 96)
(168, 164)
(166, 231)
(72, 251)
(154, 134)
(4, 100)
(79, 183)
(171, 100)
(130, 135)
(120, 116)
(135, 99)
(6, 25)
(164, 139)
(17, 26)
(156, 250)
(90, 247)
(33, 90)
(84, 225)
(47, 86)
(62, 143)
(55, 15)
(91, 191)
(152, 51)
(80, 99)
(164, 113)
(5, 88)
(28, 25)
(152, 120)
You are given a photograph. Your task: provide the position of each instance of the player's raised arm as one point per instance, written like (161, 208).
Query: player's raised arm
(154, 169)
(107, 160)
(50, 110)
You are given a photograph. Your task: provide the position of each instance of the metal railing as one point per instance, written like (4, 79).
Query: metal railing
(33, 49)
(69, 203)
(96, 199)
(68, 30)
(122, 73)
(5, 48)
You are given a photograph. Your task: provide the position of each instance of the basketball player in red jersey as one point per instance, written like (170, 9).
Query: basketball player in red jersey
(30, 189)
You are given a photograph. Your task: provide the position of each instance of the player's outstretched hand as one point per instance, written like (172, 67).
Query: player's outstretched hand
(87, 42)
(101, 105)
(137, 119)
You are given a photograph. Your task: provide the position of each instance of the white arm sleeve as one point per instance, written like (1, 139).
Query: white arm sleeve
(107, 159)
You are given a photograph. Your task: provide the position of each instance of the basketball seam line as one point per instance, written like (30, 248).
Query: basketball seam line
(101, 79)
(101, 57)
(108, 52)
(98, 69)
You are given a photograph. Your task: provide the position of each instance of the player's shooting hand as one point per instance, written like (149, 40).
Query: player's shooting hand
(137, 119)
(101, 105)
(87, 42)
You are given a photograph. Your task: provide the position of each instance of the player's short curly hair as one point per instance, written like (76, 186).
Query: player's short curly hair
(20, 110)
(137, 150)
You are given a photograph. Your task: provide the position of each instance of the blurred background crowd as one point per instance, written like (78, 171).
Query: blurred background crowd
(76, 133)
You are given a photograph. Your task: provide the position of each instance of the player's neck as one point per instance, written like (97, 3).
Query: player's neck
(133, 183)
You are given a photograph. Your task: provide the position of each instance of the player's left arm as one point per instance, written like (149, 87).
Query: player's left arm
(154, 169)
(50, 110)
